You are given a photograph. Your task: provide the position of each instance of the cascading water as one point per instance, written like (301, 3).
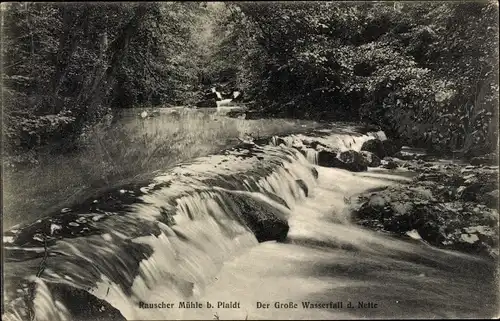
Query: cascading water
(206, 231)
(164, 241)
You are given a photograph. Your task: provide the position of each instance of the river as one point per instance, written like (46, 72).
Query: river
(192, 237)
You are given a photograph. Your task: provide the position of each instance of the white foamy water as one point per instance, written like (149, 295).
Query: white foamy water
(328, 260)
(192, 235)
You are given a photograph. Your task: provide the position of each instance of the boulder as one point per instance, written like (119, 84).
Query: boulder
(405, 155)
(328, 158)
(371, 159)
(374, 146)
(352, 161)
(381, 148)
(268, 223)
(389, 163)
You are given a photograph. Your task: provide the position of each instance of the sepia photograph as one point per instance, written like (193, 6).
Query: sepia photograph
(255, 160)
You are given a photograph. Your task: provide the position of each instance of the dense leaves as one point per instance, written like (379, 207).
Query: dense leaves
(66, 64)
(424, 71)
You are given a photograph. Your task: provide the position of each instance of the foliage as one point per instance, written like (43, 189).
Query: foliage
(65, 64)
(424, 71)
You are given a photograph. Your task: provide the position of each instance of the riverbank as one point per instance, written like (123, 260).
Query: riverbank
(130, 149)
(449, 204)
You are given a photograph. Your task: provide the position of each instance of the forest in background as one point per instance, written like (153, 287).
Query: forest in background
(425, 72)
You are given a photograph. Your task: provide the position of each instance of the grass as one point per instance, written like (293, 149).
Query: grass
(132, 148)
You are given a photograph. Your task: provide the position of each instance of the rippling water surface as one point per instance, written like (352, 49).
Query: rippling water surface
(192, 235)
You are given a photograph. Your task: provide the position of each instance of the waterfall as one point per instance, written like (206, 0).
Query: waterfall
(165, 239)
(312, 156)
(255, 223)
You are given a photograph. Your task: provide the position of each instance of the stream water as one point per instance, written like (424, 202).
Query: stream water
(190, 239)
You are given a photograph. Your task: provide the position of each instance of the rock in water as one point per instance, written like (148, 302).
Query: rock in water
(381, 148)
(371, 159)
(374, 146)
(315, 172)
(267, 222)
(303, 186)
(84, 306)
(328, 159)
(389, 163)
(353, 161)
(405, 155)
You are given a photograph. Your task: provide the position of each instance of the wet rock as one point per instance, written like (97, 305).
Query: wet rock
(84, 306)
(268, 223)
(316, 145)
(371, 159)
(445, 207)
(262, 141)
(236, 113)
(352, 161)
(303, 186)
(315, 172)
(405, 155)
(389, 163)
(328, 158)
(374, 146)
(280, 141)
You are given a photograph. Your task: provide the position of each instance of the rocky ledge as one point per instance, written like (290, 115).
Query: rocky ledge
(449, 205)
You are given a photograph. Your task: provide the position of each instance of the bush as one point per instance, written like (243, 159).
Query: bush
(424, 72)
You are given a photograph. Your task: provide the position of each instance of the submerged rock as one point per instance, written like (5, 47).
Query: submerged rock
(315, 172)
(405, 155)
(84, 306)
(303, 186)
